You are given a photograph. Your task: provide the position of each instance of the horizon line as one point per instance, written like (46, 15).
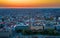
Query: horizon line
(29, 7)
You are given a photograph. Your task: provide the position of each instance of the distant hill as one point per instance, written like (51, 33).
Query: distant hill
(32, 11)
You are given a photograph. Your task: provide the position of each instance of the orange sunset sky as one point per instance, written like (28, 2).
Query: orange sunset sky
(29, 3)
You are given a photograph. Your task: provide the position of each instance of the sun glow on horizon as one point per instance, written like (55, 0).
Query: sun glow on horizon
(29, 3)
